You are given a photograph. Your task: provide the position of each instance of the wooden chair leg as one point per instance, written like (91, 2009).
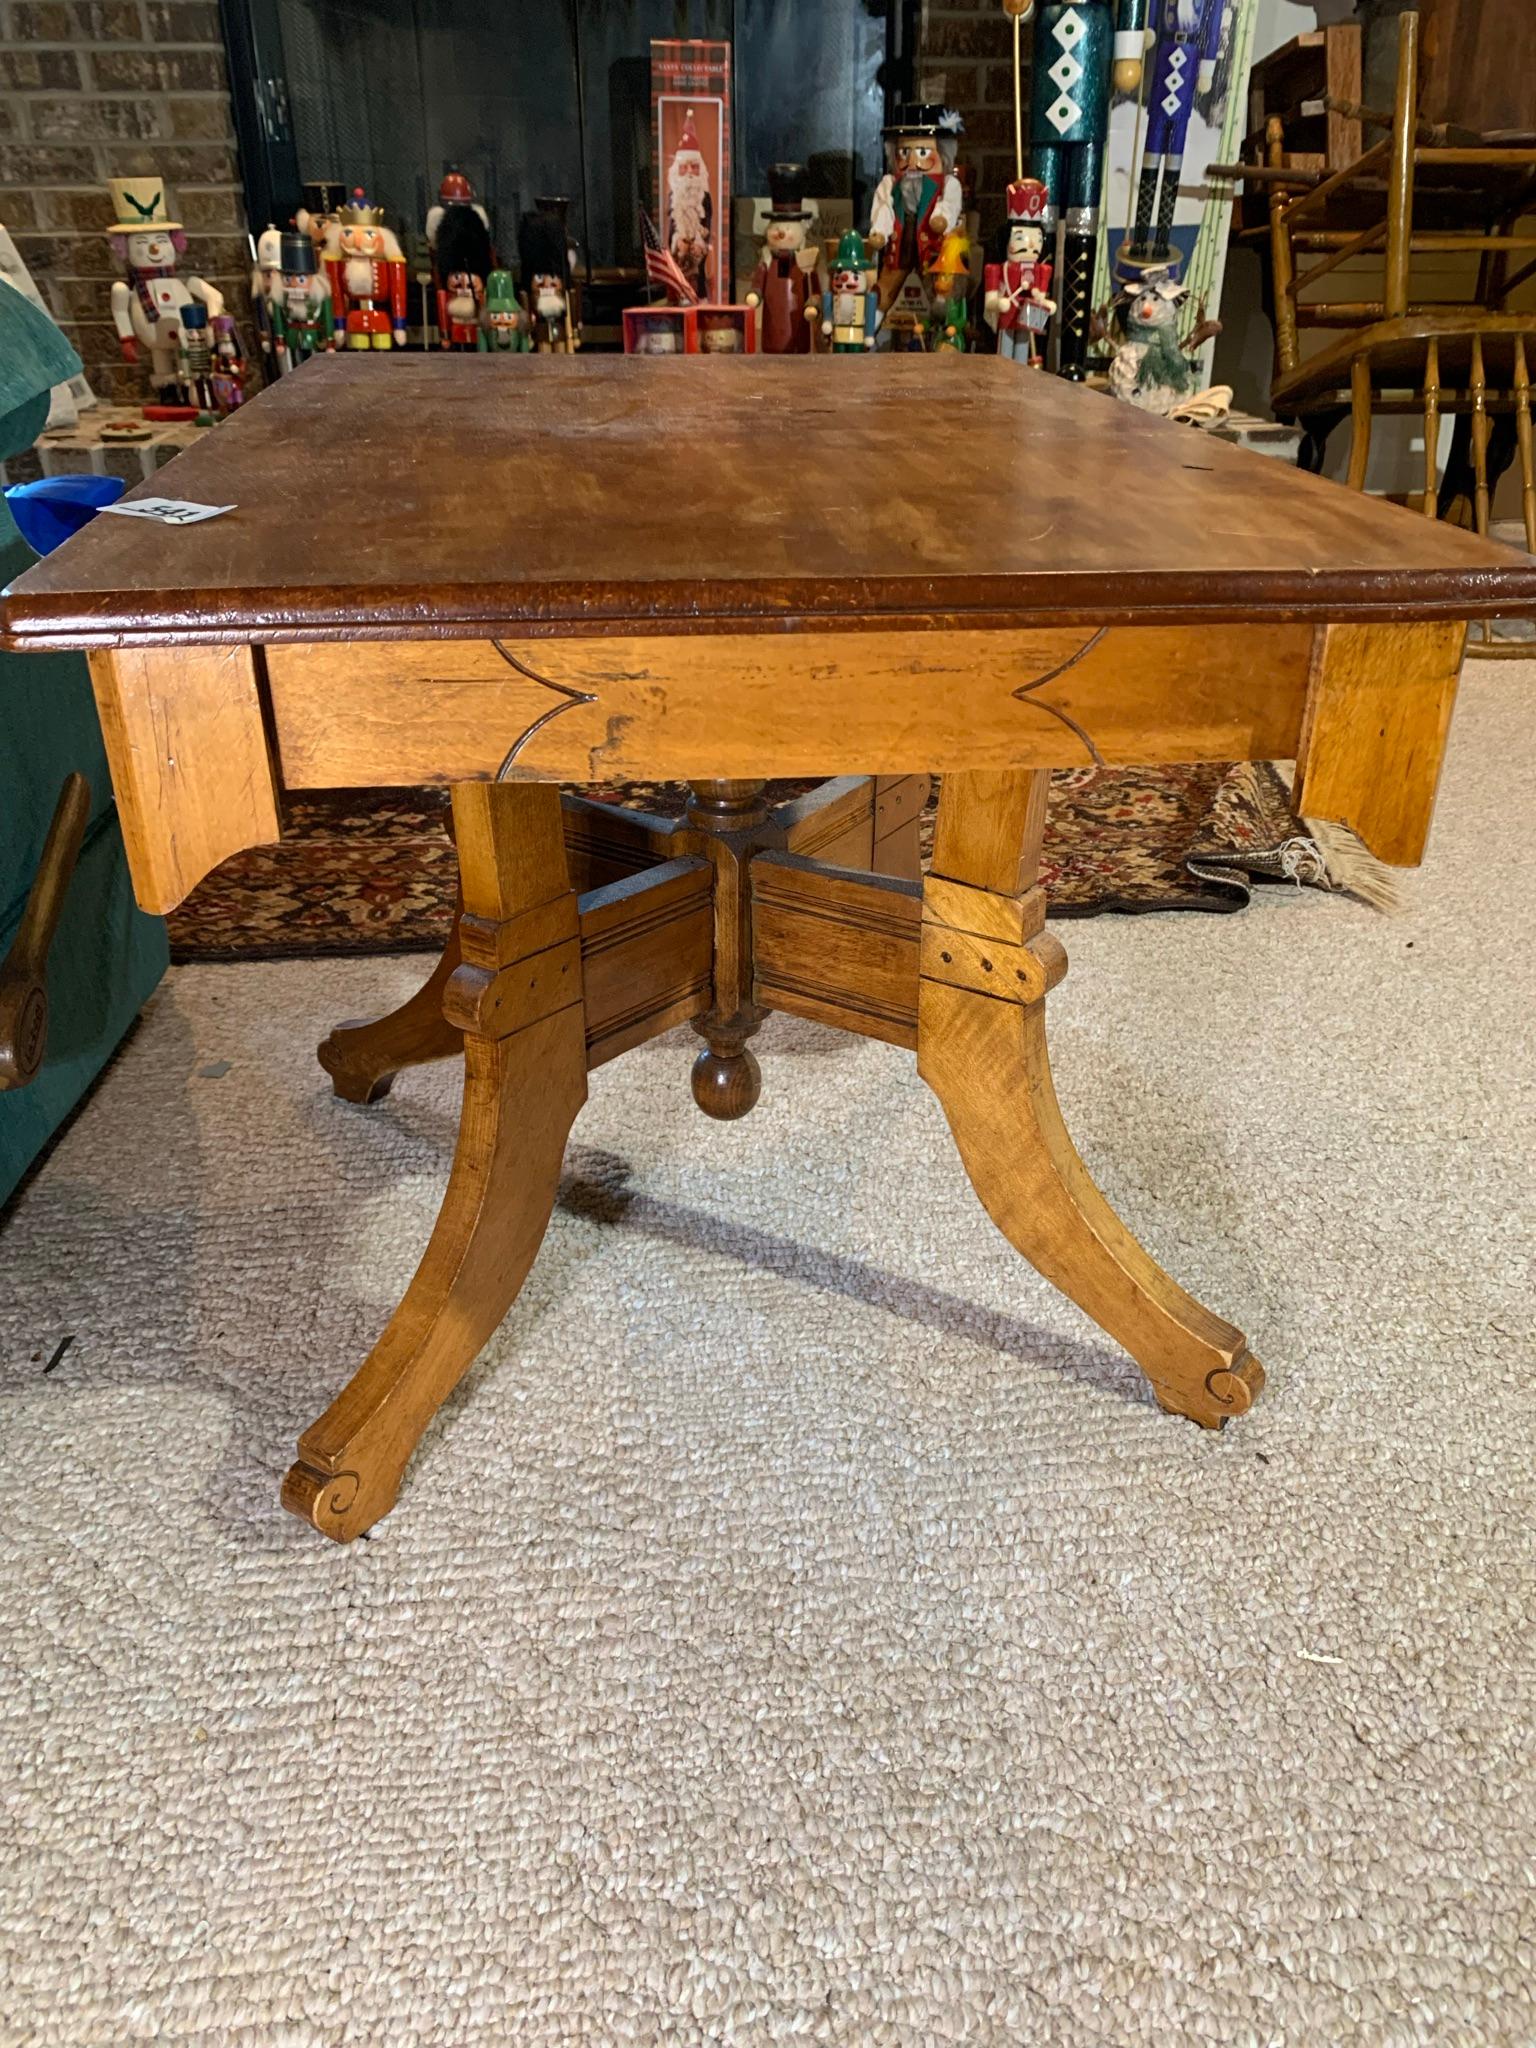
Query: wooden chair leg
(1523, 437)
(1479, 389)
(363, 1057)
(518, 1001)
(1360, 421)
(986, 966)
(1432, 429)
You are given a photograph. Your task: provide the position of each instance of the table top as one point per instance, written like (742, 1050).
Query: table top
(456, 496)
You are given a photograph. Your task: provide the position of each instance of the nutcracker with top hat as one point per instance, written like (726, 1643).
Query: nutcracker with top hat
(850, 305)
(146, 306)
(459, 239)
(503, 323)
(367, 276)
(302, 325)
(1075, 49)
(1016, 281)
(542, 251)
(917, 203)
(949, 316)
(1186, 39)
(786, 287)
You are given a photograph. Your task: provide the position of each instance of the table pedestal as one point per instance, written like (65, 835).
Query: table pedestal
(583, 931)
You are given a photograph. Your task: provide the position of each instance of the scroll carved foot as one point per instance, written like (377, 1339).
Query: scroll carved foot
(521, 1095)
(363, 1057)
(986, 1061)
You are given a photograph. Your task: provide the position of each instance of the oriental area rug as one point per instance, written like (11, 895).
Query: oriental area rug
(373, 872)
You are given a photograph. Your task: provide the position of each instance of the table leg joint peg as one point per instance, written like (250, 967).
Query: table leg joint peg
(992, 967)
(494, 1004)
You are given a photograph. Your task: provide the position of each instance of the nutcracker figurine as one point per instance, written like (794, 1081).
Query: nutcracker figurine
(503, 323)
(459, 238)
(302, 324)
(916, 204)
(229, 367)
(949, 317)
(265, 272)
(1016, 280)
(542, 251)
(147, 305)
(850, 305)
(785, 284)
(1187, 41)
(367, 276)
(1075, 45)
(318, 216)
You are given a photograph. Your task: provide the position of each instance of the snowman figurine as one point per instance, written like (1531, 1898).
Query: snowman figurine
(146, 306)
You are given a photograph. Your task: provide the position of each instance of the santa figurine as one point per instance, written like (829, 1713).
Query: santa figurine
(459, 239)
(849, 306)
(917, 203)
(785, 285)
(146, 306)
(367, 277)
(690, 209)
(1016, 281)
(542, 251)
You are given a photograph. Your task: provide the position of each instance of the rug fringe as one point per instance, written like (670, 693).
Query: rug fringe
(1355, 870)
(1351, 867)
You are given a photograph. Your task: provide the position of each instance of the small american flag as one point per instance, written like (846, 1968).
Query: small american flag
(661, 266)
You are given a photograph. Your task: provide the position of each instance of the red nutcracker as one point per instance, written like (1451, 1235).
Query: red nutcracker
(459, 238)
(367, 276)
(1016, 282)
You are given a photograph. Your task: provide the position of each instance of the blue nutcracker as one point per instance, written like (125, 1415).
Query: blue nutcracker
(1076, 45)
(1186, 39)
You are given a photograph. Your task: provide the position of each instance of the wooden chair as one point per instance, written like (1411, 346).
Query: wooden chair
(1417, 191)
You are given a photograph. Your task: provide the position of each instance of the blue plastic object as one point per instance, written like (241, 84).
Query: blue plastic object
(49, 511)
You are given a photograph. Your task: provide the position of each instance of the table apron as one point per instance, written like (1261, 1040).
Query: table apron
(204, 741)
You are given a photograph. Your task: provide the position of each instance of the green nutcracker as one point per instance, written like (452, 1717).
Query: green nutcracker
(850, 307)
(299, 304)
(1078, 44)
(503, 323)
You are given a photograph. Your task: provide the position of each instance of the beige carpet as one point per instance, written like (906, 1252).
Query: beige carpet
(802, 1628)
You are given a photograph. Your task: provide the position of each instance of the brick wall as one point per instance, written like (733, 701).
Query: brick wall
(966, 60)
(92, 89)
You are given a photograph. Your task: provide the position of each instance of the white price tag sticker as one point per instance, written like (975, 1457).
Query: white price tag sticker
(169, 511)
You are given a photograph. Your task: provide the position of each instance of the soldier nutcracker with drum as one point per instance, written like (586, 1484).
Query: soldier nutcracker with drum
(1016, 282)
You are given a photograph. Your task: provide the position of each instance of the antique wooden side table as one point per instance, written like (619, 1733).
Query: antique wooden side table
(508, 576)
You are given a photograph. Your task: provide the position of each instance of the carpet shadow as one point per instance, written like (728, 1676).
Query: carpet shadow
(596, 1189)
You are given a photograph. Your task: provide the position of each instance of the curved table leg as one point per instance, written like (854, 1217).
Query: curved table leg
(363, 1057)
(987, 965)
(518, 1003)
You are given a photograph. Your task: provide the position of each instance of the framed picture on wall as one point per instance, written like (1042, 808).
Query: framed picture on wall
(691, 155)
